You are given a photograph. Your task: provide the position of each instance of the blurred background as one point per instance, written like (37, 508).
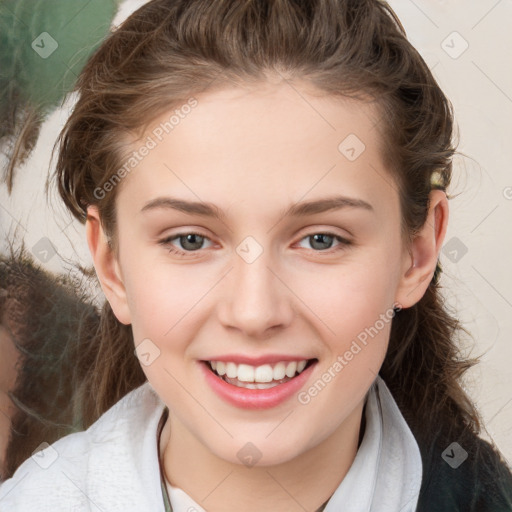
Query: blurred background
(466, 45)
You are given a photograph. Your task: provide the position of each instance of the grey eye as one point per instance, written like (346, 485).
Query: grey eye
(191, 241)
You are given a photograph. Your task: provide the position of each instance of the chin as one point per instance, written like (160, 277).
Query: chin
(260, 452)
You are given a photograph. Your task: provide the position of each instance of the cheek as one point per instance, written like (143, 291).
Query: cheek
(348, 299)
(163, 297)
(354, 306)
(356, 312)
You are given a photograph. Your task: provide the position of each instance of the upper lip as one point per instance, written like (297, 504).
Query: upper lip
(257, 361)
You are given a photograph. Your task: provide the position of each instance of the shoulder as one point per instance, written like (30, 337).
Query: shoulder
(113, 465)
(465, 474)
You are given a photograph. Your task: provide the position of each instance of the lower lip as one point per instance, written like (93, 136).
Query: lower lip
(255, 398)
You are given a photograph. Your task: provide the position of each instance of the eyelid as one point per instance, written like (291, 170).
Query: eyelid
(166, 242)
(343, 242)
(325, 230)
(311, 230)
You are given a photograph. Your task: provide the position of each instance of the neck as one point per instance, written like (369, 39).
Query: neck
(219, 485)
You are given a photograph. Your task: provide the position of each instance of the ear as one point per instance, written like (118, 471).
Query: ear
(107, 266)
(421, 257)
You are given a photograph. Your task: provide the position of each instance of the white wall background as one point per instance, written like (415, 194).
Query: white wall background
(467, 45)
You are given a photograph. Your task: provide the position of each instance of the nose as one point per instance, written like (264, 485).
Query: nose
(256, 301)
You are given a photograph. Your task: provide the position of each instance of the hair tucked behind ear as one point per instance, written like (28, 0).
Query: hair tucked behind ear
(170, 50)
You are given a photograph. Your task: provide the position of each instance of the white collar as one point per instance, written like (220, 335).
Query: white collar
(387, 470)
(114, 464)
(386, 473)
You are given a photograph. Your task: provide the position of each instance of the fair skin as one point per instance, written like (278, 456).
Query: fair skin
(253, 152)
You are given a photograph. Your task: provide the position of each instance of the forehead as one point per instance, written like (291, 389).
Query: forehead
(268, 115)
(274, 139)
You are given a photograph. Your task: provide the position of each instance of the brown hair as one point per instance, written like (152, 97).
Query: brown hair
(168, 51)
(48, 319)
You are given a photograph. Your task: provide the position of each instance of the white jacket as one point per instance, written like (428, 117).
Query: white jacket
(113, 466)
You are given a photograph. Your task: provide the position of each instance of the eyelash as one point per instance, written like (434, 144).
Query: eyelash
(166, 242)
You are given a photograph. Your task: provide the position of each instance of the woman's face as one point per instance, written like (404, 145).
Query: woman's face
(294, 254)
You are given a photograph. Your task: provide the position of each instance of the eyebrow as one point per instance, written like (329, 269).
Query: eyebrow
(301, 209)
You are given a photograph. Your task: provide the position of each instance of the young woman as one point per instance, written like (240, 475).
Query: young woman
(264, 190)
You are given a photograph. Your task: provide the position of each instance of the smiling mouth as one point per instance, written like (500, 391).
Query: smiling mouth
(258, 377)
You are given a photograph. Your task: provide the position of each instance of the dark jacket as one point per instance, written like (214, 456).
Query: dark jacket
(481, 483)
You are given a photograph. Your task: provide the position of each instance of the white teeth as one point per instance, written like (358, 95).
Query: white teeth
(266, 385)
(279, 371)
(231, 370)
(263, 374)
(245, 373)
(291, 368)
(251, 385)
(221, 368)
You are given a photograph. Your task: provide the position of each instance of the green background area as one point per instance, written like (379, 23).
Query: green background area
(78, 27)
